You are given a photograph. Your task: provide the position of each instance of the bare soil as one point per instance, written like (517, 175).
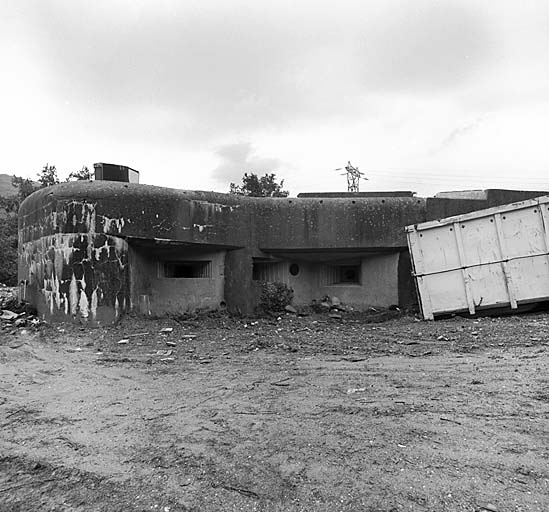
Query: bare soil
(364, 413)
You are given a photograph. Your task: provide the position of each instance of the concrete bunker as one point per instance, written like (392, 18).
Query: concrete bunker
(92, 251)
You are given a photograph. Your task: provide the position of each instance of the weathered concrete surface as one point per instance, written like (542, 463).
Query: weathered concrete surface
(334, 223)
(66, 268)
(93, 250)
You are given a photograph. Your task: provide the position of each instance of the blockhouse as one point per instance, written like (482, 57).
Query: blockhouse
(91, 251)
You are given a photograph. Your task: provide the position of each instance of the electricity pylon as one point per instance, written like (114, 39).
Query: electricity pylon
(353, 177)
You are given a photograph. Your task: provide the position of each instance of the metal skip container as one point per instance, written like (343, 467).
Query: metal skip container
(493, 258)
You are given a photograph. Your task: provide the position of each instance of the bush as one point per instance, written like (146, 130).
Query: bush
(8, 240)
(275, 296)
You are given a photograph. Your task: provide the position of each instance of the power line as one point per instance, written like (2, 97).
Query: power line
(459, 171)
(443, 177)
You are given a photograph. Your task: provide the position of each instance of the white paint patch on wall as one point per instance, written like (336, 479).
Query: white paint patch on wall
(110, 225)
(202, 227)
(46, 261)
(73, 295)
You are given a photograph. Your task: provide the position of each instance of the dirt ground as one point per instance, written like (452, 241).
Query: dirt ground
(291, 414)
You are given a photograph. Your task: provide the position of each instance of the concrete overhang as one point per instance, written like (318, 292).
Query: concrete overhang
(332, 256)
(170, 244)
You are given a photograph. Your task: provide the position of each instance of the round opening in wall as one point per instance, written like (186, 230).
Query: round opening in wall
(294, 269)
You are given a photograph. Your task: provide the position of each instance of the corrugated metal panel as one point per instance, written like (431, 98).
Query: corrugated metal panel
(270, 271)
(490, 258)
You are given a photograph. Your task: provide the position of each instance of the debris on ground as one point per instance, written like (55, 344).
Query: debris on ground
(15, 314)
(267, 414)
(164, 353)
(487, 507)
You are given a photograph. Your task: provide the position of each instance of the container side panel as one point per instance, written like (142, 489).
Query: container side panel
(488, 285)
(446, 291)
(531, 277)
(418, 270)
(439, 249)
(480, 243)
(523, 232)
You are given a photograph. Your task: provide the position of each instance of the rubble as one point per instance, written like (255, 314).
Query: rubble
(8, 298)
(15, 314)
(8, 315)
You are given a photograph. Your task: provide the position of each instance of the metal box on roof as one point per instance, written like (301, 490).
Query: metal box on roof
(493, 258)
(114, 172)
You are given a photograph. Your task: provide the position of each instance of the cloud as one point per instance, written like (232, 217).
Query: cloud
(238, 158)
(426, 48)
(220, 69)
(215, 70)
(458, 133)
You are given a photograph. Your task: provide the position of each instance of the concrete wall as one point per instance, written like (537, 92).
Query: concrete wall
(492, 197)
(75, 276)
(66, 269)
(334, 223)
(241, 293)
(378, 282)
(175, 295)
(497, 197)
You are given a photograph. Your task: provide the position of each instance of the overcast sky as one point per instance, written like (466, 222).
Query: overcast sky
(422, 95)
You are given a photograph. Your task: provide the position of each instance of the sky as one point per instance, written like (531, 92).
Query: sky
(422, 95)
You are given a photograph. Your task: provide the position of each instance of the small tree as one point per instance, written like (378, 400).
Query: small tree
(255, 186)
(81, 175)
(25, 187)
(8, 219)
(48, 176)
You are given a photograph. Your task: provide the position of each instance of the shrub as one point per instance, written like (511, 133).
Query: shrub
(275, 296)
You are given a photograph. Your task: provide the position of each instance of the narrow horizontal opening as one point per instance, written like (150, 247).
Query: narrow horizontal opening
(188, 269)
